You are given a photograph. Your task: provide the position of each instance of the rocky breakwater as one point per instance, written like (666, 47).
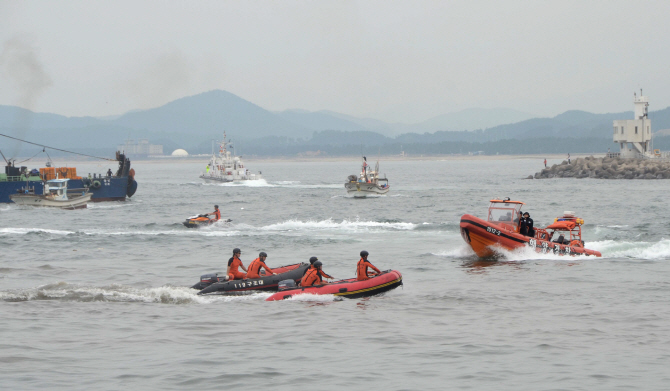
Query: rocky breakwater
(608, 168)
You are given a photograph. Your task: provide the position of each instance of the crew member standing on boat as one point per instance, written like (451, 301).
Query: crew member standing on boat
(233, 264)
(109, 172)
(216, 213)
(526, 225)
(362, 267)
(312, 275)
(256, 265)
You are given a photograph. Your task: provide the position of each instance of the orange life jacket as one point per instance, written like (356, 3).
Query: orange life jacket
(253, 271)
(362, 270)
(311, 277)
(217, 214)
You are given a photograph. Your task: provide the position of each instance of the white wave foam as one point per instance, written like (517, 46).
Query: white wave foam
(24, 231)
(526, 253)
(119, 293)
(292, 225)
(251, 183)
(313, 298)
(464, 251)
(633, 250)
(108, 205)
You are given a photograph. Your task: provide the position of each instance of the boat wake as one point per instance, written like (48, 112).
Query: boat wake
(247, 183)
(330, 224)
(63, 291)
(462, 252)
(26, 231)
(633, 250)
(308, 297)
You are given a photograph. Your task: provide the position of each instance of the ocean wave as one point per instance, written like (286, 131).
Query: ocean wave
(293, 225)
(118, 293)
(632, 250)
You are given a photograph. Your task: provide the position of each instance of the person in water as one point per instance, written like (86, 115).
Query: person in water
(216, 213)
(255, 267)
(321, 272)
(233, 264)
(312, 275)
(526, 225)
(362, 273)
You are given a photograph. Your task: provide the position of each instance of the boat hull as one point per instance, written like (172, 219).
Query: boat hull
(269, 283)
(362, 189)
(485, 237)
(75, 202)
(111, 189)
(350, 288)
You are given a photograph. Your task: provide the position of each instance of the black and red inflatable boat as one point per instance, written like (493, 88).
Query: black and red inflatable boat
(216, 283)
(350, 288)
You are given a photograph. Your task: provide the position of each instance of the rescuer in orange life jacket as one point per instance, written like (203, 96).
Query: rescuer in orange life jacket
(216, 213)
(313, 274)
(233, 264)
(362, 273)
(321, 272)
(255, 267)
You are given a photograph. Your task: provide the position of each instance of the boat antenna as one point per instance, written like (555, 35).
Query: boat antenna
(56, 149)
(3, 156)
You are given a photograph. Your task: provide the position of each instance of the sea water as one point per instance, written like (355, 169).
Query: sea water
(100, 299)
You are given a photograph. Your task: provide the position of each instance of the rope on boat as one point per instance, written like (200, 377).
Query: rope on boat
(57, 149)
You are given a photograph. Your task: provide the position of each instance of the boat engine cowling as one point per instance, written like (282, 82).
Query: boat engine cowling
(286, 284)
(209, 278)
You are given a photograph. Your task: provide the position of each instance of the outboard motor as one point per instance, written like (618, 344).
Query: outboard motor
(286, 284)
(209, 278)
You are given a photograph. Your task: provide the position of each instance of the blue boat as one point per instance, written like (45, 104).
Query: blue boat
(114, 187)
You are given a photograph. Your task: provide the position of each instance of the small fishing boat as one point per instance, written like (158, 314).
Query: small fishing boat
(226, 167)
(202, 221)
(350, 288)
(217, 283)
(368, 182)
(501, 230)
(56, 195)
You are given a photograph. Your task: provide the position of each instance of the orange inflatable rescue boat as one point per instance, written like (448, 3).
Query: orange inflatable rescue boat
(501, 230)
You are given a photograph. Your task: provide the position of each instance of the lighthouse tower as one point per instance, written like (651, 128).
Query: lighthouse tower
(634, 136)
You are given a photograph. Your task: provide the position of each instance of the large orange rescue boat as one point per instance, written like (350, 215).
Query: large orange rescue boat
(501, 230)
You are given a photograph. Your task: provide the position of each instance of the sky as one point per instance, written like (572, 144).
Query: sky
(398, 61)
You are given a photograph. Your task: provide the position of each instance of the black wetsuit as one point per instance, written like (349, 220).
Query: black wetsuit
(526, 227)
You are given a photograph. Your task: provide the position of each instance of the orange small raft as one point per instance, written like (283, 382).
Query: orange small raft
(501, 230)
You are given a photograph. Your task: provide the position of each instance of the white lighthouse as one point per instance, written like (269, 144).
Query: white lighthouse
(634, 136)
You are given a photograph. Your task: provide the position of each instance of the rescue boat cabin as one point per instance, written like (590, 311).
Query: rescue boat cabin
(505, 213)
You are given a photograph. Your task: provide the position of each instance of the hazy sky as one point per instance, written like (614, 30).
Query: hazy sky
(392, 60)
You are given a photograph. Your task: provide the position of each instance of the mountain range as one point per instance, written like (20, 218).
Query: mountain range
(192, 122)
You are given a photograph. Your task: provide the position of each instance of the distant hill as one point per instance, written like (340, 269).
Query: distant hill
(211, 113)
(193, 122)
(319, 120)
(475, 118)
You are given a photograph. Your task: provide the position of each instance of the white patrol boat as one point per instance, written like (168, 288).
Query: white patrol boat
(226, 167)
(368, 183)
(55, 195)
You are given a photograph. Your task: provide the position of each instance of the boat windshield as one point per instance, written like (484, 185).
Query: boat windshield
(503, 211)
